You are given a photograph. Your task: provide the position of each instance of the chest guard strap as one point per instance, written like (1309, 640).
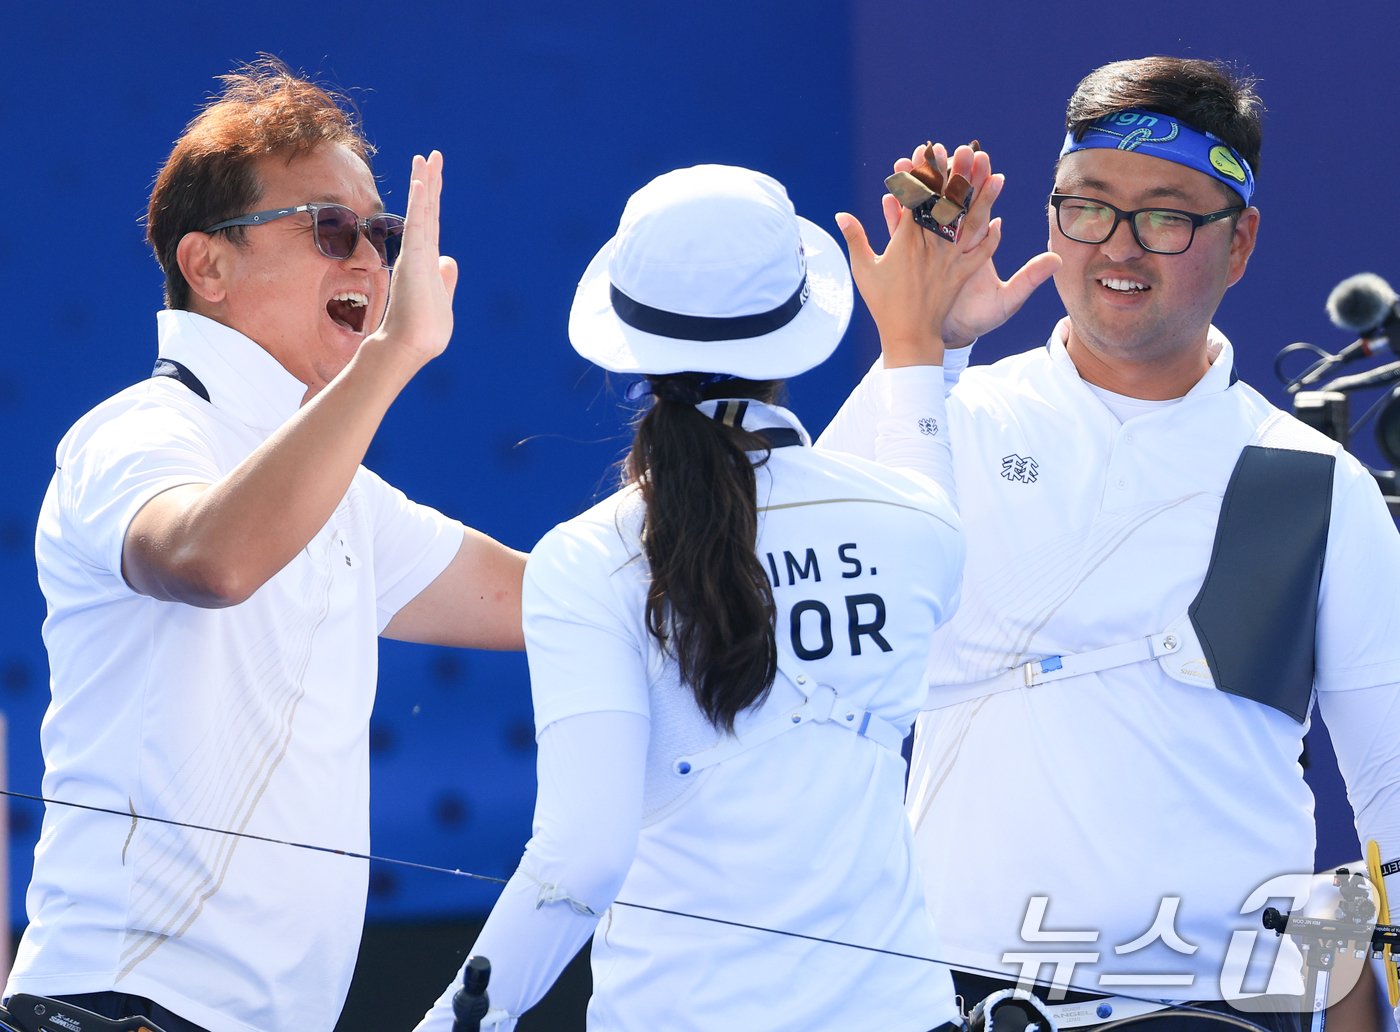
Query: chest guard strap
(169, 367)
(821, 706)
(1251, 629)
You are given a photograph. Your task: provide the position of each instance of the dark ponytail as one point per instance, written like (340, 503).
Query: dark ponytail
(710, 604)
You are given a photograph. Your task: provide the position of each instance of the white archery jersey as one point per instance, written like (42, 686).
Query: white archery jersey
(1122, 822)
(252, 718)
(793, 826)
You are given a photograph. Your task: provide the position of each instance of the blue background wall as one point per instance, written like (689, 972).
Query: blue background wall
(549, 115)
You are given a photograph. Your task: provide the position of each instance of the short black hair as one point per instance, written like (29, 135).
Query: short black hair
(1207, 95)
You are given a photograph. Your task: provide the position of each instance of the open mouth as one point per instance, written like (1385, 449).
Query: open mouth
(348, 309)
(1124, 286)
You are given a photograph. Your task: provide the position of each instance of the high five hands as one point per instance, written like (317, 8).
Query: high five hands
(925, 292)
(419, 316)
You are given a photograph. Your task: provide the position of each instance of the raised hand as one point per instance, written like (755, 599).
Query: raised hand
(913, 285)
(419, 316)
(987, 300)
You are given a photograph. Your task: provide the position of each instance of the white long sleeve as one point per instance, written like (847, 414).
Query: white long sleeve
(587, 818)
(898, 417)
(1365, 728)
(911, 424)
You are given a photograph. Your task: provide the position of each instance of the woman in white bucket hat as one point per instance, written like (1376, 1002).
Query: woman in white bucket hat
(727, 654)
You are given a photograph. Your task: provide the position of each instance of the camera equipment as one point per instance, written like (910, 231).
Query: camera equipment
(1367, 306)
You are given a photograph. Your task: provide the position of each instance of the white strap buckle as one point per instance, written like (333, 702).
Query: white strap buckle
(819, 706)
(1034, 672)
(822, 706)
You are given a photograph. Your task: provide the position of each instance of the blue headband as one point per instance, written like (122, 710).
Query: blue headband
(1162, 136)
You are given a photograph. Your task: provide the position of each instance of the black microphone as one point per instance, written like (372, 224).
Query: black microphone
(1367, 306)
(470, 1003)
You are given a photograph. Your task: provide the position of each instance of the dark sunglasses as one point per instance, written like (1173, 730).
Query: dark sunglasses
(336, 229)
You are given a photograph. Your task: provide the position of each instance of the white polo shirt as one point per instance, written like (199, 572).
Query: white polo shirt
(252, 718)
(1123, 799)
(803, 832)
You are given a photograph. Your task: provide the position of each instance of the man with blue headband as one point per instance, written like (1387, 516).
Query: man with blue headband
(1164, 571)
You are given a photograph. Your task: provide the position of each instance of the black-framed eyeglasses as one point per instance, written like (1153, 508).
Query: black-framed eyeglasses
(336, 229)
(1159, 230)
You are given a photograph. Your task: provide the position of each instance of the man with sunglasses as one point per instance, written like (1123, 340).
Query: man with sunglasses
(218, 565)
(1163, 571)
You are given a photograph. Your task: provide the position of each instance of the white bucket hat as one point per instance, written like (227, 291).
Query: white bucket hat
(711, 271)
